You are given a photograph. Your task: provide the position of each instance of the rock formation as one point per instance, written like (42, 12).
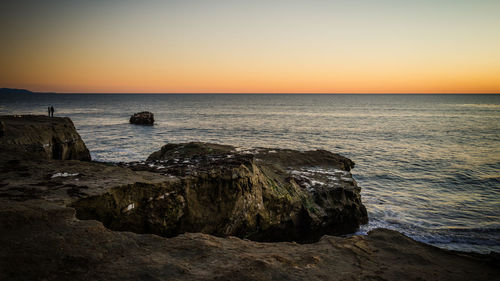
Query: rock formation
(260, 194)
(41, 137)
(142, 118)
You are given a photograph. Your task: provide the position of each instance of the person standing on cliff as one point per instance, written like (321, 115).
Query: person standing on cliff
(51, 111)
(48, 110)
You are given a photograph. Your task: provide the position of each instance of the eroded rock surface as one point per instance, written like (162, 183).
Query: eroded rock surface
(43, 241)
(259, 194)
(41, 137)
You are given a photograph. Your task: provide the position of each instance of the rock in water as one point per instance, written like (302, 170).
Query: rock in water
(260, 194)
(142, 118)
(41, 137)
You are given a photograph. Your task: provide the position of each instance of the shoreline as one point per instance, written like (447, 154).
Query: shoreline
(43, 199)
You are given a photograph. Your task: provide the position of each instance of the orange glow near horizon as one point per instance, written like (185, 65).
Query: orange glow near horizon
(240, 47)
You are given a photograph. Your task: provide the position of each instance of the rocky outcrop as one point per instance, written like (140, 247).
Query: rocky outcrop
(142, 118)
(259, 194)
(41, 137)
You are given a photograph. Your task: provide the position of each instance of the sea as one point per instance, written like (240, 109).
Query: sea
(428, 165)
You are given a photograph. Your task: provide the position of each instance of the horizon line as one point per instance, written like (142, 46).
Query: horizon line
(255, 93)
(249, 93)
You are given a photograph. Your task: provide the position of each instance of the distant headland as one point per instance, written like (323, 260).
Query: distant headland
(7, 91)
(21, 92)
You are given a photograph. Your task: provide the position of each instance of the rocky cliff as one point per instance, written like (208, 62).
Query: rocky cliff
(41, 137)
(260, 194)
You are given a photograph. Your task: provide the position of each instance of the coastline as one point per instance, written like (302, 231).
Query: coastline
(38, 222)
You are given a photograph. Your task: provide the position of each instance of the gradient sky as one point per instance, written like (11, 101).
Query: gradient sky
(319, 46)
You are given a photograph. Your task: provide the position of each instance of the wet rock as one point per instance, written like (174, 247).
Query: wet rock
(142, 118)
(41, 137)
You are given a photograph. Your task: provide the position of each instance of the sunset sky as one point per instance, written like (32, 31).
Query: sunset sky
(233, 46)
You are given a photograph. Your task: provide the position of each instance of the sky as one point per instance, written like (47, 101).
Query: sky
(234, 46)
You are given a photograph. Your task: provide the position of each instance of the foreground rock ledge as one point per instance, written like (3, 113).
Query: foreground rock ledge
(43, 241)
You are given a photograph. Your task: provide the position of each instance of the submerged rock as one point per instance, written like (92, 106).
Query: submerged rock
(41, 137)
(142, 118)
(260, 194)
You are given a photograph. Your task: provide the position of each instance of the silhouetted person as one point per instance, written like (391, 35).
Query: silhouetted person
(48, 110)
(51, 111)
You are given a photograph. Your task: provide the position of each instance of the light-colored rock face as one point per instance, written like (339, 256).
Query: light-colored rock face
(263, 195)
(41, 137)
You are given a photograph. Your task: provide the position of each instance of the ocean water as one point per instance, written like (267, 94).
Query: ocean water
(428, 165)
